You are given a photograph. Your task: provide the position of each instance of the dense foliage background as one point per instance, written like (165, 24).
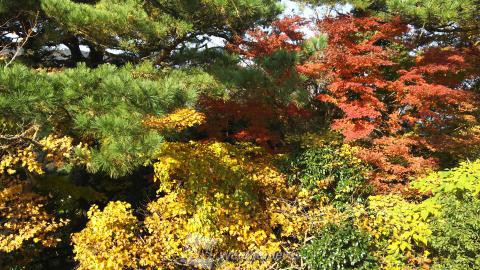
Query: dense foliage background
(223, 134)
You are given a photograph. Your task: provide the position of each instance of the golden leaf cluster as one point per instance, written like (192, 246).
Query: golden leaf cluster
(178, 120)
(108, 241)
(23, 217)
(24, 157)
(400, 229)
(214, 199)
(57, 151)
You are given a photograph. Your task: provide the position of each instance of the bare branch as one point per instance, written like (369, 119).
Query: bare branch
(29, 33)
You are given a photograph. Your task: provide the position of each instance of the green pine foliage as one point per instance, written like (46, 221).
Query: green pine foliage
(104, 106)
(426, 11)
(448, 21)
(135, 29)
(156, 26)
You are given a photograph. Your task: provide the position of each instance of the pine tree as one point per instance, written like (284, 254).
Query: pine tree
(450, 22)
(134, 29)
(105, 106)
(81, 83)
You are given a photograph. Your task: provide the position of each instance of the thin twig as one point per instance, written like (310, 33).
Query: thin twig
(29, 33)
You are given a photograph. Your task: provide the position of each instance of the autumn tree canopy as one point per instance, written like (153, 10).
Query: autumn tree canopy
(217, 134)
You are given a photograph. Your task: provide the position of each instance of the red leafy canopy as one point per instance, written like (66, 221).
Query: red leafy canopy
(250, 120)
(284, 34)
(358, 67)
(392, 156)
(247, 121)
(378, 88)
(255, 112)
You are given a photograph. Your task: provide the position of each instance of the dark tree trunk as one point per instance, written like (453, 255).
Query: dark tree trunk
(73, 45)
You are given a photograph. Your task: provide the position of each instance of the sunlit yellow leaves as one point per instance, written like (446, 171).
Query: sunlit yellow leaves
(178, 120)
(52, 150)
(23, 217)
(462, 180)
(25, 158)
(400, 228)
(108, 241)
(61, 149)
(235, 197)
(214, 198)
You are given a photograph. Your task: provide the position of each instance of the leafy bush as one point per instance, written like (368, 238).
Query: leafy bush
(213, 199)
(462, 181)
(400, 229)
(331, 170)
(456, 229)
(339, 247)
(455, 235)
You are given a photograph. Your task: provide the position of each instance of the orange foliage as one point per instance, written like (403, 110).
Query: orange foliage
(284, 35)
(378, 90)
(394, 161)
(257, 113)
(357, 66)
(380, 97)
(248, 121)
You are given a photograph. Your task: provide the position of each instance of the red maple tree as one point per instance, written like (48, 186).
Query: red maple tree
(371, 89)
(256, 111)
(284, 34)
(381, 96)
(387, 96)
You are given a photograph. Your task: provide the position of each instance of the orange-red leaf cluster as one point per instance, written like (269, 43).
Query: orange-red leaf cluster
(283, 35)
(371, 89)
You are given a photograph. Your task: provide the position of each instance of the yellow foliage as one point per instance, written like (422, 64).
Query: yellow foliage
(233, 196)
(61, 149)
(58, 150)
(178, 120)
(24, 157)
(463, 180)
(216, 200)
(23, 218)
(400, 229)
(108, 241)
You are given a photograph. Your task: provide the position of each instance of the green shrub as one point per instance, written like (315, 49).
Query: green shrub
(339, 247)
(462, 181)
(456, 235)
(332, 170)
(400, 229)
